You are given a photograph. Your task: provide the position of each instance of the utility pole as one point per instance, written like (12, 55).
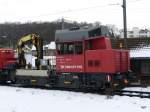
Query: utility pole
(62, 23)
(125, 24)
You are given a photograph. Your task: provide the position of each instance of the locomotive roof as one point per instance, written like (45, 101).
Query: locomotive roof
(77, 34)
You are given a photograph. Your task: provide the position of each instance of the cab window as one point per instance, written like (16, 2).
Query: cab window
(78, 48)
(69, 48)
(65, 48)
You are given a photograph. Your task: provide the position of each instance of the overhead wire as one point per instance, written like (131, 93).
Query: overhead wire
(79, 9)
(73, 10)
(134, 1)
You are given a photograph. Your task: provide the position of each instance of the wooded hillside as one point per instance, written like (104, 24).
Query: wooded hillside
(11, 32)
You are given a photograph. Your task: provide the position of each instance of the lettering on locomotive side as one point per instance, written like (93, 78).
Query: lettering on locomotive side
(63, 60)
(71, 66)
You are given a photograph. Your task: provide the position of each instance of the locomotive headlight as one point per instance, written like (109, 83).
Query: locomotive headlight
(108, 78)
(126, 81)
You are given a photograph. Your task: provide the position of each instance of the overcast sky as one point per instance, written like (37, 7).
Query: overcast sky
(104, 11)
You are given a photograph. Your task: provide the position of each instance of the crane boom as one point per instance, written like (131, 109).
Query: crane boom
(37, 42)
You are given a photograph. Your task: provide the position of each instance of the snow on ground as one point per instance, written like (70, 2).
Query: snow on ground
(14, 99)
(146, 89)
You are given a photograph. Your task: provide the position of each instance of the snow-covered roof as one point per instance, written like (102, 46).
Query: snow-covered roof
(143, 52)
(51, 45)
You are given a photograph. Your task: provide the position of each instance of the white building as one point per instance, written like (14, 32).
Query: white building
(136, 33)
(144, 33)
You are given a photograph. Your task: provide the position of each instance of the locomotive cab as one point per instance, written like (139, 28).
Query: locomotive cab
(71, 46)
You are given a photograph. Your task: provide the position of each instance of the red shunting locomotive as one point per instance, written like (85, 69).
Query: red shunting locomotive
(85, 59)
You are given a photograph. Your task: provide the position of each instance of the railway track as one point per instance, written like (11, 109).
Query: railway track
(140, 94)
